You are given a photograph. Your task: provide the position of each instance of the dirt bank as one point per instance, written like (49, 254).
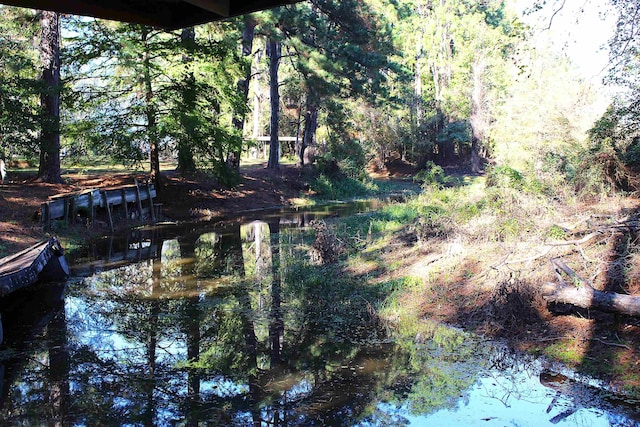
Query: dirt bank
(477, 290)
(182, 198)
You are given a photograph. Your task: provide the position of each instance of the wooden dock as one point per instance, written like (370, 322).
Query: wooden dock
(136, 202)
(41, 262)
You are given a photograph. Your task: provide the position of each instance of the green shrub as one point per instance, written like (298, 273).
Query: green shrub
(555, 232)
(508, 229)
(403, 212)
(631, 156)
(432, 174)
(504, 177)
(339, 187)
(590, 179)
(470, 210)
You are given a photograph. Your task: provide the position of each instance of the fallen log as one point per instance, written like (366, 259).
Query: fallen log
(581, 294)
(587, 297)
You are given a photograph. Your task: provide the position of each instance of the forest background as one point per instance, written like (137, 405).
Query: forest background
(453, 89)
(356, 84)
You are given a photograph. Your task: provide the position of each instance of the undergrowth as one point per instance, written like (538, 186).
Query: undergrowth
(474, 255)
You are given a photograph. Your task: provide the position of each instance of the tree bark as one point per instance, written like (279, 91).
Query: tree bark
(152, 125)
(477, 121)
(310, 126)
(49, 169)
(274, 90)
(243, 85)
(581, 294)
(587, 297)
(186, 162)
(276, 320)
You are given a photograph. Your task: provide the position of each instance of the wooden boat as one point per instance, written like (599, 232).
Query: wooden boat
(42, 262)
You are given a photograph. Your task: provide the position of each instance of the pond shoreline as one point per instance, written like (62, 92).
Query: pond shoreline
(462, 297)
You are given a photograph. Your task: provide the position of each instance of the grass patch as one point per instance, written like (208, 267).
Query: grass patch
(566, 351)
(342, 188)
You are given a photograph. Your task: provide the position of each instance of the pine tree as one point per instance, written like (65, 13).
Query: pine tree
(140, 90)
(19, 83)
(49, 170)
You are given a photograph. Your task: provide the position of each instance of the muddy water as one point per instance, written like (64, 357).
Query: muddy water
(212, 324)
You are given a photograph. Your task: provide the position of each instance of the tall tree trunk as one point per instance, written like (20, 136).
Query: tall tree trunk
(274, 91)
(310, 126)
(152, 125)
(49, 169)
(417, 84)
(418, 104)
(186, 163)
(241, 293)
(477, 120)
(243, 84)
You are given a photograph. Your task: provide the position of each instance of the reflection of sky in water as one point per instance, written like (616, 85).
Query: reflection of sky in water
(509, 396)
(493, 401)
(223, 387)
(96, 333)
(114, 314)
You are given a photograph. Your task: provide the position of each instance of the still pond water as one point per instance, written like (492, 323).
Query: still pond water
(212, 324)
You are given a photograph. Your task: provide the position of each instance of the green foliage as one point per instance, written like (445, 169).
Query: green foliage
(470, 210)
(631, 156)
(432, 174)
(555, 232)
(508, 229)
(565, 353)
(402, 212)
(455, 137)
(504, 177)
(340, 310)
(600, 171)
(20, 118)
(133, 91)
(404, 283)
(388, 80)
(346, 156)
(393, 217)
(341, 174)
(339, 187)
(224, 174)
(614, 153)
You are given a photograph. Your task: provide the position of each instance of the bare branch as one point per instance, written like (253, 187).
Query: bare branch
(555, 13)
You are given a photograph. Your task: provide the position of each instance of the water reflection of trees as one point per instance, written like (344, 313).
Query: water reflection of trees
(232, 327)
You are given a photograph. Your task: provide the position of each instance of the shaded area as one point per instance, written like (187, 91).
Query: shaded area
(160, 13)
(611, 331)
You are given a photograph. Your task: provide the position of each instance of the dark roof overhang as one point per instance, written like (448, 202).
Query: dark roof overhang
(169, 14)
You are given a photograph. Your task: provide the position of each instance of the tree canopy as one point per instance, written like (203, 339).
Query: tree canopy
(357, 84)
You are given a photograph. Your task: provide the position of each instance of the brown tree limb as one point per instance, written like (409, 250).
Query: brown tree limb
(580, 293)
(589, 298)
(585, 239)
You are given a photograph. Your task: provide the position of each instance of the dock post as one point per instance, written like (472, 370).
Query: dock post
(138, 197)
(91, 208)
(106, 204)
(123, 192)
(72, 210)
(153, 214)
(46, 215)
(65, 202)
